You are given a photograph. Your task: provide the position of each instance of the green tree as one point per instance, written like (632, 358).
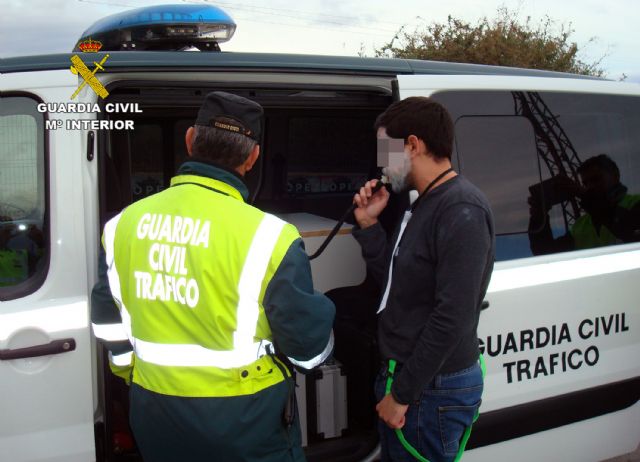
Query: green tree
(502, 41)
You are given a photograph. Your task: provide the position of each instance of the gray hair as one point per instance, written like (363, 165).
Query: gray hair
(221, 146)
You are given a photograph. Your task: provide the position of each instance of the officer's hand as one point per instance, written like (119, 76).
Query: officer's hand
(392, 412)
(369, 206)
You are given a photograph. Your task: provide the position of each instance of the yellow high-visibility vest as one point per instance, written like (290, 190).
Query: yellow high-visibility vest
(188, 268)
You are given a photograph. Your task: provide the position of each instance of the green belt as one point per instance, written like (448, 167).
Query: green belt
(410, 449)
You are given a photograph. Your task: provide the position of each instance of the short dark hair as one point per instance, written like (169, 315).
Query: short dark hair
(226, 148)
(601, 162)
(423, 117)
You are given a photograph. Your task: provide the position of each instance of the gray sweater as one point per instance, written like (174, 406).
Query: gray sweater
(441, 272)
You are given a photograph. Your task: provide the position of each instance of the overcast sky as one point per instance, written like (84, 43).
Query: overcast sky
(340, 27)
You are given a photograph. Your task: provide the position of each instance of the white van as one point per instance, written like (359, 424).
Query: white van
(561, 332)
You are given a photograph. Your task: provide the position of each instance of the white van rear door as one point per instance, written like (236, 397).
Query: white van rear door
(560, 334)
(46, 388)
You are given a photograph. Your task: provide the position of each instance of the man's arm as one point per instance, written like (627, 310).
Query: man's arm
(107, 325)
(463, 244)
(300, 318)
(373, 241)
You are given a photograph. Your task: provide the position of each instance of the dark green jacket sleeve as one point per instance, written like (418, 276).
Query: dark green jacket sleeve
(106, 323)
(301, 319)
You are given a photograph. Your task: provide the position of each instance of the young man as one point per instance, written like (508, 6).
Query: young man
(207, 286)
(434, 273)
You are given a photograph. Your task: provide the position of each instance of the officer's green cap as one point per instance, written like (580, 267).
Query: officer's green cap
(244, 116)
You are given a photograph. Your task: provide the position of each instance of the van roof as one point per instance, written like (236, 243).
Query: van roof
(123, 61)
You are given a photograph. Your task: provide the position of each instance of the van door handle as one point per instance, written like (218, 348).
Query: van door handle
(485, 305)
(52, 348)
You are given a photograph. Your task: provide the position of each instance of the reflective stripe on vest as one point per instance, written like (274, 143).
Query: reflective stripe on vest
(122, 365)
(109, 332)
(253, 272)
(197, 355)
(121, 360)
(112, 275)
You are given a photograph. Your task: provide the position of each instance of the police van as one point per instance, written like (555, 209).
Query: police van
(82, 135)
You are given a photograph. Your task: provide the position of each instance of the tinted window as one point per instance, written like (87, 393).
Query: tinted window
(525, 151)
(508, 145)
(23, 241)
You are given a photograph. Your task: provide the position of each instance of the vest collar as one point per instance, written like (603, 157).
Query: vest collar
(212, 176)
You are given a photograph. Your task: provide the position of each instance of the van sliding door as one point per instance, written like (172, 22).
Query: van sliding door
(46, 403)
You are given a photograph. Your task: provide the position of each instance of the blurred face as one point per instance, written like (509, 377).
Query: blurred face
(394, 160)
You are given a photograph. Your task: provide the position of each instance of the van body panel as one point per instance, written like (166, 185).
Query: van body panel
(356, 66)
(425, 85)
(562, 297)
(590, 440)
(39, 82)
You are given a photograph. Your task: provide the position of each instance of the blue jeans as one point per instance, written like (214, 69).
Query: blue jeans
(436, 422)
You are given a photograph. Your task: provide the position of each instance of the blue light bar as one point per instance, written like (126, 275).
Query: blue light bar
(162, 27)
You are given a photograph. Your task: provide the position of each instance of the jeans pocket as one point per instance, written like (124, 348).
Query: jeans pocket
(453, 421)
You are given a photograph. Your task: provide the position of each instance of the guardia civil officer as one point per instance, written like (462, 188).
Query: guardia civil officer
(206, 285)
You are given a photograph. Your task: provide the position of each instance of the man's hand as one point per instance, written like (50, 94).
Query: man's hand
(369, 205)
(391, 412)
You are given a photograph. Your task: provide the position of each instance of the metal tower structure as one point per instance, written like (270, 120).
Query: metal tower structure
(552, 144)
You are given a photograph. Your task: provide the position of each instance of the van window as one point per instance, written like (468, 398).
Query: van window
(524, 148)
(500, 142)
(23, 235)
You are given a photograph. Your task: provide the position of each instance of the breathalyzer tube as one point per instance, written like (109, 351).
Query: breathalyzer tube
(382, 182)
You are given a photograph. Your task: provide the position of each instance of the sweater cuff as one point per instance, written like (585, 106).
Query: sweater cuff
(398, 399)
(371, 234)
(403, 390)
